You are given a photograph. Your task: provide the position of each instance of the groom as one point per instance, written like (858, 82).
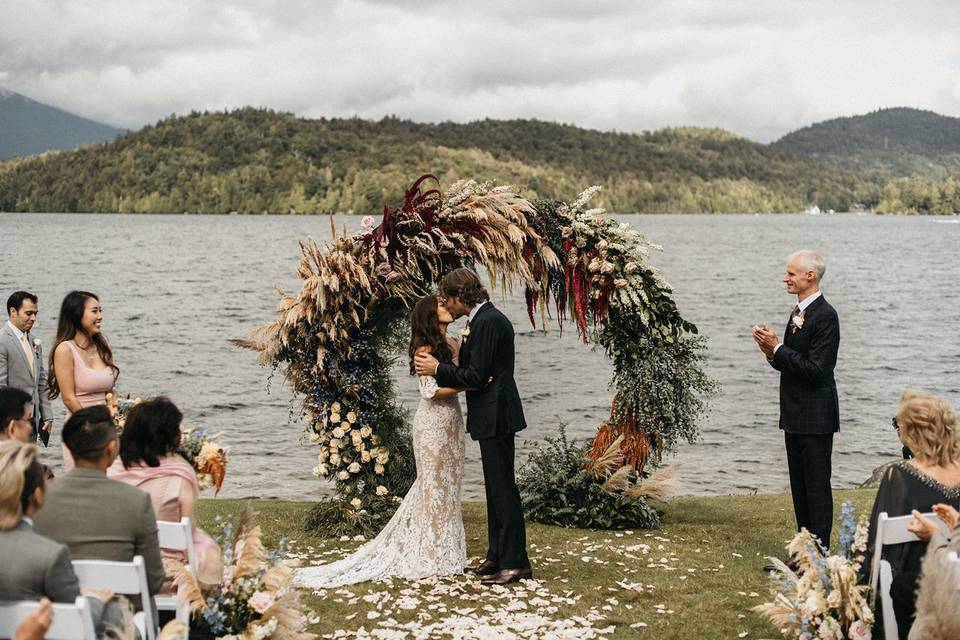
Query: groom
(494, 416)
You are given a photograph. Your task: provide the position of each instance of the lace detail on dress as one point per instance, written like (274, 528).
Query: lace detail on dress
(952, 493)
(425, 537)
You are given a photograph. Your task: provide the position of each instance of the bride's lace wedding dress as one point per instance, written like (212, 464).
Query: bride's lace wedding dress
(425, 537)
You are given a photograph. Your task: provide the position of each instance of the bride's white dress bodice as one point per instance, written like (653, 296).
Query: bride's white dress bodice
(425, 536)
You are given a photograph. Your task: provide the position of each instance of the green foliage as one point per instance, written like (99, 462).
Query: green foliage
(255, 160)
(887, 142)
(921, 195)
(556, 489)
(335, 518)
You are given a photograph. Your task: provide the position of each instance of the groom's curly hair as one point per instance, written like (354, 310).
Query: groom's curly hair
(463, 283)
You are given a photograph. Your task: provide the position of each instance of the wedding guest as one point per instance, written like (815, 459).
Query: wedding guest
(82, 370)
(809, 409)
(96, 517)
(928, 427)
(16, 409)
(36, 567)
(21, 361)
(149, 449)
(938, 617)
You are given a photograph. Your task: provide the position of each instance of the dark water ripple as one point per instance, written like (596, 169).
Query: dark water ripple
(176, 288)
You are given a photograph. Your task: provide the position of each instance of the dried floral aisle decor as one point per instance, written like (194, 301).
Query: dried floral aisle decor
(336, 338)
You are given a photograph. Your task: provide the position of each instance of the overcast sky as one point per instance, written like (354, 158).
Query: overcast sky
(757, 67)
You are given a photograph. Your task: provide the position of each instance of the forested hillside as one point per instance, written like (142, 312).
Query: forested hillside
(254, 160)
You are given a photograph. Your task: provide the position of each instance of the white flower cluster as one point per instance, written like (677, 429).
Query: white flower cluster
(346, 447)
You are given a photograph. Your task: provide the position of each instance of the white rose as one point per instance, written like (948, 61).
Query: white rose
(338, 432)
(365, 456)
(381, 490)
(36, 343)
(619, 283)
(366, 431)
(383, 458)
(356, 438)
(321, 471)
(314, 436)
(334, 418)
(324, 455)
(355, 503)
(378, 469)
(260, 601)
(631, 267)
(354, 467)
(345, 426)
(335, 408)
(343, 475)
(335, 459)
(858, 631)
(351, 417)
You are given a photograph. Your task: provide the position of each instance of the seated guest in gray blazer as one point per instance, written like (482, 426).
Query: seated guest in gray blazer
(35, 567)
(99, 518)
(16, 407)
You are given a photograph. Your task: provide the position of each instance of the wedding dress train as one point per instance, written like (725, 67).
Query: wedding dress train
(425, 536)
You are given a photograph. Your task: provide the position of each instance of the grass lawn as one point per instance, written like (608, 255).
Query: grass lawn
(697, 576)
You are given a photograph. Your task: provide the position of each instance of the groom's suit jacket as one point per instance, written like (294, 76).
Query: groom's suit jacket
(15, 372)
(805, 360)
(493, 408)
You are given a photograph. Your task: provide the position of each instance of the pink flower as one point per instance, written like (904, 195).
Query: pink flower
(859, 631)
(261, 601)
(366, 224)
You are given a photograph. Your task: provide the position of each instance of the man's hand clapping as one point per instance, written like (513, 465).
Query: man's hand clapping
(766, 339)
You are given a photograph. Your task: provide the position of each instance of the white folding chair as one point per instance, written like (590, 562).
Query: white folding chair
(891, 531)
(70, 621)
(123, 578)
(177, 536)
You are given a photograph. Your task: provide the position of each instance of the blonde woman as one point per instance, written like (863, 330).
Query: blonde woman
(927, 425)
(35, 567)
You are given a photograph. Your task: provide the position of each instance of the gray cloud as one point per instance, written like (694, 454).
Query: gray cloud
(756, 67)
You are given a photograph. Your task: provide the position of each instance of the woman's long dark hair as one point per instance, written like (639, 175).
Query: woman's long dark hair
(68, 326)
(425, 331)
(152, 431)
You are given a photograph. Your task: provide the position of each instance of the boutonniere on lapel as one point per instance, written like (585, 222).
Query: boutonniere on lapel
(36, 345)
(796, 323)
(464, 334)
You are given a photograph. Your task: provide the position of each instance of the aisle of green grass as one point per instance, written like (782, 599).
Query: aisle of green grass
(695, 577)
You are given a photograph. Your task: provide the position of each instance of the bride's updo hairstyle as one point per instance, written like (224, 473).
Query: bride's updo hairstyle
(425, 331)
(928, 427)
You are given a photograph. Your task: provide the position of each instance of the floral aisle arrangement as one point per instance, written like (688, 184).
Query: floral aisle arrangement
(257, 599)
(822, 598)
(197, 445)
(337, 337)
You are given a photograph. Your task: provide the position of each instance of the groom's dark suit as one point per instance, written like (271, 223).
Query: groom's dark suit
(810, 413)
(494, 416)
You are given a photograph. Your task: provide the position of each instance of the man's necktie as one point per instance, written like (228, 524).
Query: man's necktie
(29, 353)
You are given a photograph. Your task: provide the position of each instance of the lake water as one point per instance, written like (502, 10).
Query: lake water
(176, 288)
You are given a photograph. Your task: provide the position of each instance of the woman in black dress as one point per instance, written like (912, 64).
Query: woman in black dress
(927, 426)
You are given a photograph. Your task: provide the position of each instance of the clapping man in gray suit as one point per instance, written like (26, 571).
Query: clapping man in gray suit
(21, 361)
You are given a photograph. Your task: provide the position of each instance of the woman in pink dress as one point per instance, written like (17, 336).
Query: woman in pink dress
(81, 369)
(149, 447)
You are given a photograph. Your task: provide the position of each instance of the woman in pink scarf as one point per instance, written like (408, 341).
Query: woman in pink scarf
(148, 450)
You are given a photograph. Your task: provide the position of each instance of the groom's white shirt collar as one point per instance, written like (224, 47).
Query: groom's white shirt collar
(809, 300)
(16, 331)
(473, 311)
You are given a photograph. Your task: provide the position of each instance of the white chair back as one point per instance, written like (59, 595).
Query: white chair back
(70, 621)
(891, 531)
(177, 536)
(123, 578)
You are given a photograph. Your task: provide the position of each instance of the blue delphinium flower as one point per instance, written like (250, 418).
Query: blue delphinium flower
(848, 529)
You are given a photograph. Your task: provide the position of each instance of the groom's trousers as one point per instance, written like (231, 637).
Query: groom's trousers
(507, 534)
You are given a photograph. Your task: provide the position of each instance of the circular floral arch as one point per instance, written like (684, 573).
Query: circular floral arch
(337, 338)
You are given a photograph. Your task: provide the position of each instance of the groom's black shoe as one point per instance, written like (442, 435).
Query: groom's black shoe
(508, 576)
(485, 568)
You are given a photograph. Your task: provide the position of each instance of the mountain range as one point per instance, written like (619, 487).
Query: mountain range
(258, 160)
(28, 127)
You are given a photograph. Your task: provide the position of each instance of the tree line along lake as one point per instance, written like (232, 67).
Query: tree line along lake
(176, 288)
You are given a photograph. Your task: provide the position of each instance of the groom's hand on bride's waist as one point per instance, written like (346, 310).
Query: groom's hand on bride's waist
(425, 364)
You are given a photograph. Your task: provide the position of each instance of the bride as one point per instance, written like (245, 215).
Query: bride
(425, 537)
